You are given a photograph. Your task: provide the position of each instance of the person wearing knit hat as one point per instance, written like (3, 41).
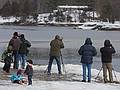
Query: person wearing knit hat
(18, 77)
(7, 58)
(55, 52)
(19, 72)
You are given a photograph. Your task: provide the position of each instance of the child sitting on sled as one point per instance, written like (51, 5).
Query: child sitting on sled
(18, 77)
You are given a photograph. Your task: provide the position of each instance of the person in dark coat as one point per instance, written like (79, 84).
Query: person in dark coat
(55, 52)
(15, 43)
(87, 51)
(23, 50)
(106, 57)
(29, 71)
(7, 57)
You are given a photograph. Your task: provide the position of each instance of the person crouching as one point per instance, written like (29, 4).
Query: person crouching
(7, 57)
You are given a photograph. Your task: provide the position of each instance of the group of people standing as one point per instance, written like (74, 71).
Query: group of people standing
(87, 51)
(18, 48)
(16, 52)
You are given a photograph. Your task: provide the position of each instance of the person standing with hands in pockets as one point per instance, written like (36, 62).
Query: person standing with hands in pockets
(87, 51)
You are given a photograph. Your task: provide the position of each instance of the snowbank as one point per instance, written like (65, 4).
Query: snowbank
(7, 19)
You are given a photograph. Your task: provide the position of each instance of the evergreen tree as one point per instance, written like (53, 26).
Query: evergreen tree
(6, 9)
(15, 9)
(26, 9)
(105, 10)
(52, 4)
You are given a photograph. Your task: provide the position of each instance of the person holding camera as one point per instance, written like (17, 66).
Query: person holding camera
(55, 52)
(106, 57)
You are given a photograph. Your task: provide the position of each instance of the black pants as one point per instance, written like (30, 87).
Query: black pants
(29, 79)
(7, 67)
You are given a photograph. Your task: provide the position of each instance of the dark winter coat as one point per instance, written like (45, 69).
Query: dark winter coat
(56, 45)
(107, 51)
(29, 69)
(87, 51)
(24, 46)
(8, 60)
(15, 43)
(7, 57)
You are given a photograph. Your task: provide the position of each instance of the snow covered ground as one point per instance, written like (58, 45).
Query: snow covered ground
(61, 85)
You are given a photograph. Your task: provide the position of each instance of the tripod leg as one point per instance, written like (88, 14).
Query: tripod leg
(63, 65)
(114, 74)
(98, 73)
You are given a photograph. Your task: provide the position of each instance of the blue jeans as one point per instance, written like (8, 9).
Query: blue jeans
(22, 60)
(16, 59)
(29, 79)
(88, 66)
(57, 58)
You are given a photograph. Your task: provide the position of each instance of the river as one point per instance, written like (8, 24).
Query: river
(40, 37)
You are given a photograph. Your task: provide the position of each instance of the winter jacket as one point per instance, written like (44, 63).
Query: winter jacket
(8, 60)
(15, 43)
(87, 51)
(7, 56)
(56, 45)
(106, 52)
(24, 46)
(15, 77)
(29, 69)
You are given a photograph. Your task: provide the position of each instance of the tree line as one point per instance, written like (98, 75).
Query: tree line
(106, 9)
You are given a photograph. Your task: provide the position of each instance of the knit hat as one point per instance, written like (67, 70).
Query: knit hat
(19, 72)
(30, 61)
(57, 37)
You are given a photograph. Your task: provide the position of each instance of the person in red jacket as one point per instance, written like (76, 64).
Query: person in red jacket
(29, 71)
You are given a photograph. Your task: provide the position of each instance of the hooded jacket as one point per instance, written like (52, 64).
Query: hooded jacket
(87, 51)
(24, 45)
(107, 51)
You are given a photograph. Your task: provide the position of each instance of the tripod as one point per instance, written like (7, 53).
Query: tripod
(98, 74)
(113, 74)
(64, 70)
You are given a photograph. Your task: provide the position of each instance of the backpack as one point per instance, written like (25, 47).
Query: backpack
(24, 47)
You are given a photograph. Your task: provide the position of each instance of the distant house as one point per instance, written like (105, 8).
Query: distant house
(78, 13)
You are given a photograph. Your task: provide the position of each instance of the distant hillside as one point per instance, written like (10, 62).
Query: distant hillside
(2, 2)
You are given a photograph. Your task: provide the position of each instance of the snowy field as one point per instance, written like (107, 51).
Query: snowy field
(62, 85)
